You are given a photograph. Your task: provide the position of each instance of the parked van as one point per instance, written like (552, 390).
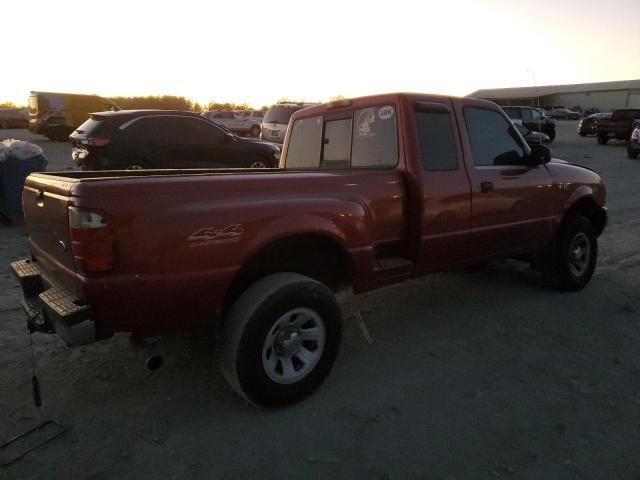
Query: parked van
(276, 120)
(56, 115)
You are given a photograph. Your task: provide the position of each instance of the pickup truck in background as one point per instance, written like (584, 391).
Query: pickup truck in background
(370, 191)
(619, 126)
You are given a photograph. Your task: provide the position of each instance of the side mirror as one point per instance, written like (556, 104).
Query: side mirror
(540, 154)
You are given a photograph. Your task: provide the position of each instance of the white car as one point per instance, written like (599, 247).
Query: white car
(235, 122)
(256, 115)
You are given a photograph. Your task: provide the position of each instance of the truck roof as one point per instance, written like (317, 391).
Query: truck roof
(368, 100)
(145, 112)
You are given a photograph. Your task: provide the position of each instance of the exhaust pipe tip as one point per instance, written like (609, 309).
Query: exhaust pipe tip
(153, 362)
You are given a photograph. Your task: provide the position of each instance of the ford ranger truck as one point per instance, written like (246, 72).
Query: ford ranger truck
(370, 192)
(619, 126)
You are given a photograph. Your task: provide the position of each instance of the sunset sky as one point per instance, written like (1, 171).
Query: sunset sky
(260, 51)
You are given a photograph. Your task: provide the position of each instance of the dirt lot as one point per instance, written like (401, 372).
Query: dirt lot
(478, 374)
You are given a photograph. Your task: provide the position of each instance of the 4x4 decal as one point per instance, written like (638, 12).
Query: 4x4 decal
(214, 235)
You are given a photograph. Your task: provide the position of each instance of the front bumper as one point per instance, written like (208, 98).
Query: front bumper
(52, 309)
(603, 219)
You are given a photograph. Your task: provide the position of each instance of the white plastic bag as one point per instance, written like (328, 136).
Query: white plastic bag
(18, 149)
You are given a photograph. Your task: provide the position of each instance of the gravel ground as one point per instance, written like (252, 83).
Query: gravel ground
(479, 374)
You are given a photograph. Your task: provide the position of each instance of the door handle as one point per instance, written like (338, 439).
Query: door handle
(486, 187)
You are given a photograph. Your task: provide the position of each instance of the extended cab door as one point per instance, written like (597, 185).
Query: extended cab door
(445, 203)
(511, 202)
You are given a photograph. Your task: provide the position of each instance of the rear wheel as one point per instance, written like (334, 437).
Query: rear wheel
(280, 339)
(602, 140)
(138, 163)
(631, 154)
(570, 264)
(583, 134)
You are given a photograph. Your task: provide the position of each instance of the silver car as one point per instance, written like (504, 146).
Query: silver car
(235, 122)
(276, 120)
(14, 118)
(256, 115)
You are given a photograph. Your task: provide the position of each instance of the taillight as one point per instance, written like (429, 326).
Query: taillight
(92, 241)
(97, 141)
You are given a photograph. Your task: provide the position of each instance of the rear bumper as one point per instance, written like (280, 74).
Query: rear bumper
(52, 309)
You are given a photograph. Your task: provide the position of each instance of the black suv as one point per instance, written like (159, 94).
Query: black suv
(533, 119)
(134, 139)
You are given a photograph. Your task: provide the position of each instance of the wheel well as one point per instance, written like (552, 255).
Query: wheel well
(587, 206)
(313, 255)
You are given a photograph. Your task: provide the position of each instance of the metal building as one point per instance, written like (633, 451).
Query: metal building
(603, 96)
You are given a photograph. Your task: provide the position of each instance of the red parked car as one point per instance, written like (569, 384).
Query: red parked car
(371, 191)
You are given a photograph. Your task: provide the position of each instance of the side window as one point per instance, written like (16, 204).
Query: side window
(437, 144)
(536, 115)
(492, 138)
(336, 149)
(527, 114)
(197, 131)
(152, 129)
(375, 138)
(305, 140)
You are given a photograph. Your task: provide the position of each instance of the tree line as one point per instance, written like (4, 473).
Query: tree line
(172, 102)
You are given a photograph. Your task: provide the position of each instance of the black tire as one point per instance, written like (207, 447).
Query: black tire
(576, 242)
(631, 155)
(252, 321)
(583, 134)
(602, 140)
(255, 131)
(138, 163)
(262, 162)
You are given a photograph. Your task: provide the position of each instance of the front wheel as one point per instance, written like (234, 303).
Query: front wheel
(280, 339)
(570, 264)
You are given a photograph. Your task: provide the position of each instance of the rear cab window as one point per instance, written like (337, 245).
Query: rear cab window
(363, 138)
(437, 139)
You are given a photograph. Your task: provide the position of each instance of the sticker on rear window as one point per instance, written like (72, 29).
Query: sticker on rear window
(385, 113)
(366, 118)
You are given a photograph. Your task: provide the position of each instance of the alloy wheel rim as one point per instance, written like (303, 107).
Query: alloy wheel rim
(293, 346)
(579, 254)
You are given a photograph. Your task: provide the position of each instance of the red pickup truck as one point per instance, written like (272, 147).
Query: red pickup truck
(619, 126)
(370, 191)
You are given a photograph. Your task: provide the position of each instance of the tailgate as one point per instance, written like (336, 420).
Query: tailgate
(45, 200)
